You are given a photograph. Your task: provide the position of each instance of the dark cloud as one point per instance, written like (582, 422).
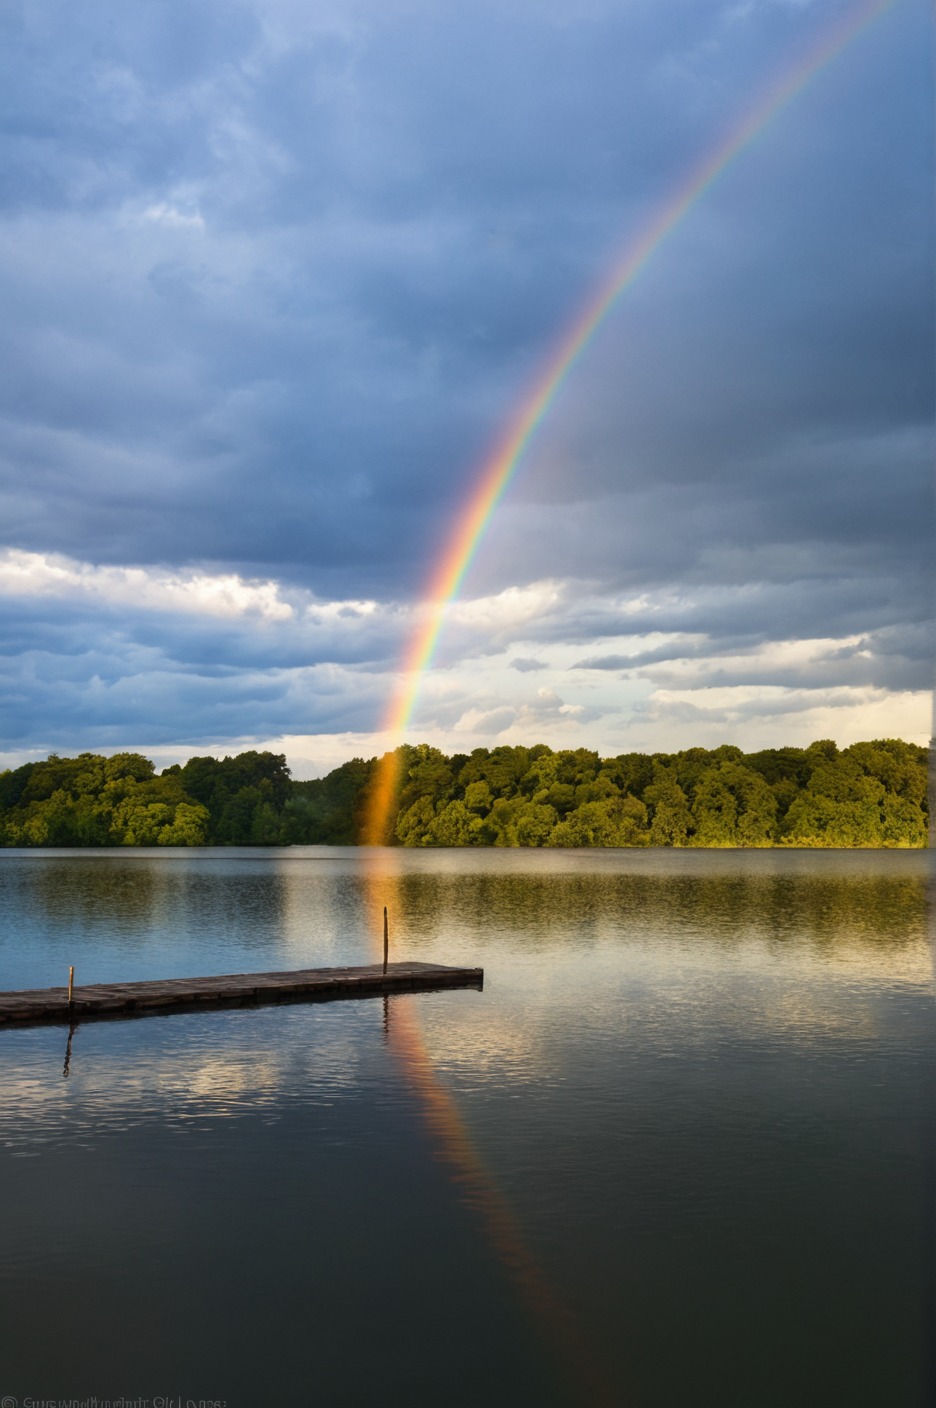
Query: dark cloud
(274, 277)
(106, 701)
(606, 662)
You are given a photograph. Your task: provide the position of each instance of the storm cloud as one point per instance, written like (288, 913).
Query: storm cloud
(276, 276)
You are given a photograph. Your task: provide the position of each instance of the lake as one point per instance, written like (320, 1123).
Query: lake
(680, 1150)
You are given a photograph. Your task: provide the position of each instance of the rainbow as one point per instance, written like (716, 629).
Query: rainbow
(574, 1353)
(498, 470)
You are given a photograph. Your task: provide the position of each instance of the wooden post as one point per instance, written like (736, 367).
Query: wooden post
(71, 982)
(386, 938)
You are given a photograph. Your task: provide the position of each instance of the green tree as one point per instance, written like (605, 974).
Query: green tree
(668, 805)
(869, 794)
(328, 810)
(427, 774)
(478, 798)
(413, 825)
(455, 825)
(842, 806)
(733, 806)
(617, 821)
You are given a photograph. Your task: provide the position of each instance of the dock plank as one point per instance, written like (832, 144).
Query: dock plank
(32, 1005)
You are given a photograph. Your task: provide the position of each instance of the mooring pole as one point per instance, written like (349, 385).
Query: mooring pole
(71, 982)
(386, 938)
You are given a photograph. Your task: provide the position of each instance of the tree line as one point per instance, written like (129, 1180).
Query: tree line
(869, 794)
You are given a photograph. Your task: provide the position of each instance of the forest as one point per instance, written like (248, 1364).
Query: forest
(868, 794)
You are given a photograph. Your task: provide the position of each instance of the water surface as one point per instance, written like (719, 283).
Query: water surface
(678, 1151)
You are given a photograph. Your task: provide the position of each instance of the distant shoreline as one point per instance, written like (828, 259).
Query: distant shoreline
(868, 796)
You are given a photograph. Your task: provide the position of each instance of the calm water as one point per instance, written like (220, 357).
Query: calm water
(680, 1150)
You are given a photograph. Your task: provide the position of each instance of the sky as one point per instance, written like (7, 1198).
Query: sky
(277, 274)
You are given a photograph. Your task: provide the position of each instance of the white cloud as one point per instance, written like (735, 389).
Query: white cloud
(223, 662)
(758, 716)
(36, 574)
(164, 213)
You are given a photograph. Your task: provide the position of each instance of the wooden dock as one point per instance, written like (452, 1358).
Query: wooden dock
(228, 990)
